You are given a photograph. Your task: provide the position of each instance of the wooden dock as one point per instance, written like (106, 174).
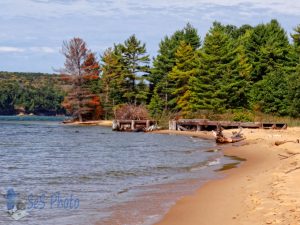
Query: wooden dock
(203, 124)
(132, 125)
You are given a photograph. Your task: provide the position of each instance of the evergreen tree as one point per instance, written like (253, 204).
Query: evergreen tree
(294, 52)
(296, 36)
(267, 49)
(270, 95)
(205, 88)
(184, 69)
(236, 82)
(136, 66)
(293, 98)
(112, 81)
(156, 105)
(164, 62)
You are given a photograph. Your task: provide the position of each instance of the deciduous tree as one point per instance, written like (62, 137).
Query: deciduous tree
(81, 67)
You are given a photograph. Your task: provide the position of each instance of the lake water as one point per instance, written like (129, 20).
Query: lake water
(89, 174)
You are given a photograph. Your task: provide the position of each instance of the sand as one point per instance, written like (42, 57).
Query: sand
(104, 123)
(265, 189)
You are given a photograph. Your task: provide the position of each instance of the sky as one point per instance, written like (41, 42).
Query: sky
(32, 31)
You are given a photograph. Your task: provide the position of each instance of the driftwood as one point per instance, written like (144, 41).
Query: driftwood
(221, 139)
(277, 143)
(152, 128)
(291, 170)
(181, 128)
(287, 156)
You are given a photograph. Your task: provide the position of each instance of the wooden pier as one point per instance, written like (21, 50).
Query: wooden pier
(133, 125)
(203, 124)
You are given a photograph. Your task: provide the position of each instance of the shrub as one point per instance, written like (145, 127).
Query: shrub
(131, 112)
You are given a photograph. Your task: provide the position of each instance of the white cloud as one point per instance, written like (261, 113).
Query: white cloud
(59, 8)
(8, 49)
(45, 50)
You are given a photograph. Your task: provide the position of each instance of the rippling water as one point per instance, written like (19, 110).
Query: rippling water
(100, 168)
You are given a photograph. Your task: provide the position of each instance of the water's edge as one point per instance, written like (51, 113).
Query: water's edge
(119, 178)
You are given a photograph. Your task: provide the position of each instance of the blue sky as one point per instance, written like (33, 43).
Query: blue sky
(32, 31)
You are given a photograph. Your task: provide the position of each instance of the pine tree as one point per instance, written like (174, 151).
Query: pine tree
(184, 69)
(156, 105)
(296, 36)
(270, 95)
(293, 86)
(136, 67)
(205, 88)
(112, 81)
(267, 49)
(164, 62)
(236, 81)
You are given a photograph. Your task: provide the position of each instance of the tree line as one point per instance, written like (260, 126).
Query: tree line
(245, 67)
(253, 68)
(36, 93)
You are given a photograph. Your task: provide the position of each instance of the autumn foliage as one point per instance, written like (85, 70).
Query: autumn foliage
(80, 72)
(131, 112)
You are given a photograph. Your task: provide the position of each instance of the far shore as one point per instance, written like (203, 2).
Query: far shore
(263, 190)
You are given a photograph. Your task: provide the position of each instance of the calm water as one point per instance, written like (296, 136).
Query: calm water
(47, 162)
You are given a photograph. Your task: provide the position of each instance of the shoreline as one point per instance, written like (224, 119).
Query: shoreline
(259, 191)
(103, 123)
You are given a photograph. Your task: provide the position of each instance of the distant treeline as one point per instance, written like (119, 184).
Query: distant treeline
(37, 93)
(231, 68)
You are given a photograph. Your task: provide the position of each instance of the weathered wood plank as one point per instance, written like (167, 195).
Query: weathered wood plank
(132, 125)
(203, 124)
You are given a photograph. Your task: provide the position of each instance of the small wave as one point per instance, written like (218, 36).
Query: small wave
(214, 162)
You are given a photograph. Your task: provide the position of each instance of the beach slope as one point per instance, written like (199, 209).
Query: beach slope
(263, 190)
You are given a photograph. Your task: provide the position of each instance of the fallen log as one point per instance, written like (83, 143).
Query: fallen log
(221, 139)
(277, 143)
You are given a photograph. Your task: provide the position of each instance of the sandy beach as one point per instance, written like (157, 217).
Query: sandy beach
(263, 190)
(104, 123)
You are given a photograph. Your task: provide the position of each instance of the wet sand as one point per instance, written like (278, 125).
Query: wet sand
(265, 189)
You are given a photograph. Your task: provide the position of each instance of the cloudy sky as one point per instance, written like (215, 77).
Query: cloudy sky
(32, 31)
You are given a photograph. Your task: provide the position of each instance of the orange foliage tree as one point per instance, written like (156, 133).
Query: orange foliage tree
(80, 71)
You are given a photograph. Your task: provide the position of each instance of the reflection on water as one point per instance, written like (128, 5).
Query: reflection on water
(99, 167)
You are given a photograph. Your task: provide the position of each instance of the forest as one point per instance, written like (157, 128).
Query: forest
(36, 93)
(231, 69)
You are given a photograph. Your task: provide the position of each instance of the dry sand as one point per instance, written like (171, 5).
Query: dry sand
(105, 123)
(263, 190)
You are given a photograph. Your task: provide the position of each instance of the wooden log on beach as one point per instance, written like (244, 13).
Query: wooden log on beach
(221, 139)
